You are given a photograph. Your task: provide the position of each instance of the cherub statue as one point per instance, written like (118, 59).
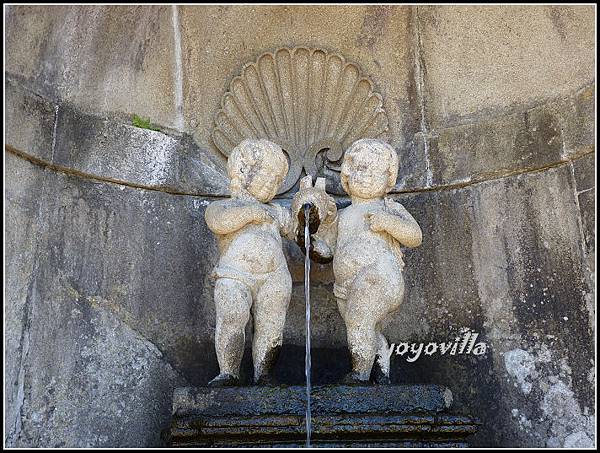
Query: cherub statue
(252, 272)
(364, 241)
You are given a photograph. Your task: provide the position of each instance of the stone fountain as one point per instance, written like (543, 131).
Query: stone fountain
(252, 273)
(363, 241)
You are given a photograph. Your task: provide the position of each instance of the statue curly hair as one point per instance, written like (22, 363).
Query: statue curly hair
(250, 153)
(383, 149)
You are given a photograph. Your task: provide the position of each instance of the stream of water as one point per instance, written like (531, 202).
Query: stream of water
(307, 299)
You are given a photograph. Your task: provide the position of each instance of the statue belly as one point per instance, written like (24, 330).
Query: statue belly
(357, 253)
(255, 250)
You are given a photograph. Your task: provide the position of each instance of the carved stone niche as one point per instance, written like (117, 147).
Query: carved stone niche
(312, 103)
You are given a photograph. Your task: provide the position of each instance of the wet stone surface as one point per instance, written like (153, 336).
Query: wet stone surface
(408, 415)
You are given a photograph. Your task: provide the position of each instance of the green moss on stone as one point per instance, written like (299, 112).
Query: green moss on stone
(143, 123)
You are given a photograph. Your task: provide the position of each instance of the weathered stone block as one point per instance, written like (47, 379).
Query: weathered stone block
(93, 382)
(113, 150)
(110, 149)
(576, 115)
(584, 170)
(484, 59)
(414, 172)
(101, 58)
(85, 377)
(30, 121)
(495, 146)
(25, 230)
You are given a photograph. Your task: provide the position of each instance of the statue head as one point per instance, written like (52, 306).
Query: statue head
(369, 169)
(257, 167)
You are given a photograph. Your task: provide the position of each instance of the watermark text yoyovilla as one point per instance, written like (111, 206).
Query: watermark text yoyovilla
(464, 343)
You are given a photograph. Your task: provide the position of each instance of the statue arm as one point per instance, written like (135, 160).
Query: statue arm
(288, 224)
(223, 218)
(398, 222)
(325, 239)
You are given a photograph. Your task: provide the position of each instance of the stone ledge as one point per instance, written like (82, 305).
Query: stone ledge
(107, 148)
(408, 415)
(388, 430)
(324, 399)
(556, 131)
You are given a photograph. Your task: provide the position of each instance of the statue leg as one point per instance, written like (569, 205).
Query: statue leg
(270, 309)
(342, 307)
(362, 342)
(233, 300)
(374, 294)
(381, 368)
(382, 361)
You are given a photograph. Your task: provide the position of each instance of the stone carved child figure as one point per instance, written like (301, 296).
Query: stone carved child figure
(364, 240)
(252, 272)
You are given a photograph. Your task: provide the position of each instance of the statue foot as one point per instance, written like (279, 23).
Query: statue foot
(224, 380)
(353, 378)
(266, 380)
(379, 377)
(382, 379)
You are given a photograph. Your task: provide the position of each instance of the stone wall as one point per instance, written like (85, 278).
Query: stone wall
(108, 303)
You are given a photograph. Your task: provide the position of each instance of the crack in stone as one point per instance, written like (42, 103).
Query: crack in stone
(14, 432)
(83, 175)
(91, 302)
(585, 190)
(54, 131)
(420, 88)
(484, 177)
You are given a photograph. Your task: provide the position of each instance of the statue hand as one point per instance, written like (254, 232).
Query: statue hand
(376, 221)
(331, 210)
(321, 252)
(261, 215)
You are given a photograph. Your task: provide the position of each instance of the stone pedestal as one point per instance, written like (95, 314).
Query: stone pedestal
(383, 416)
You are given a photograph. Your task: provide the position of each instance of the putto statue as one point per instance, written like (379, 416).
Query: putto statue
(252, 272)
(364, 240)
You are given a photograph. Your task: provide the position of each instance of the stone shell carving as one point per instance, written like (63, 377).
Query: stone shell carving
(307, 101)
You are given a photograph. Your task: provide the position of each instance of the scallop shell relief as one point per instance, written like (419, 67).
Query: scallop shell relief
(312, 103)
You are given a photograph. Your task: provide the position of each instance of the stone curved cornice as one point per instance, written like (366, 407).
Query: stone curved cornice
(60, 136)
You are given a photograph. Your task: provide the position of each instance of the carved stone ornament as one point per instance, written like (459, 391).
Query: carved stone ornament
(305, 100)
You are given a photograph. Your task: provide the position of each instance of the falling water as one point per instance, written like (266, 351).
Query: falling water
(307, 299)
